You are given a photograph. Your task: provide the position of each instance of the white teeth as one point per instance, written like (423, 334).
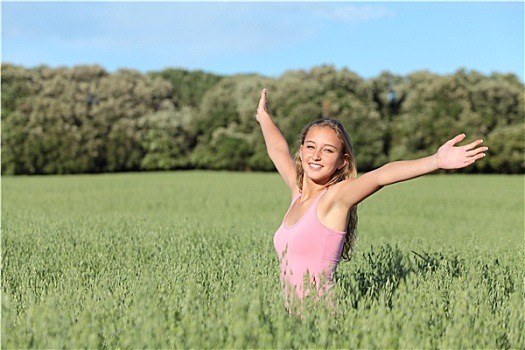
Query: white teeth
(315, 166)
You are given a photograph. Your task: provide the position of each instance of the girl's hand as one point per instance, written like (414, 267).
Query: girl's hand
(261, 109)
(450, 156)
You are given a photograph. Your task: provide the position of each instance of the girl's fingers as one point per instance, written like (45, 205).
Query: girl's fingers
(262, 101)
(261, 108)
(479, 156)
(477, 152)
(457, 139)
(473, 145)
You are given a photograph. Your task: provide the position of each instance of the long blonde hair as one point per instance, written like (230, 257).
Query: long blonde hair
(348, 171)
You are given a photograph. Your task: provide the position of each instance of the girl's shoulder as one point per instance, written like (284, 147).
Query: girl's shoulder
(338, 193)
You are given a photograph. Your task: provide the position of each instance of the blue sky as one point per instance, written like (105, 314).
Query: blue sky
(268, 38)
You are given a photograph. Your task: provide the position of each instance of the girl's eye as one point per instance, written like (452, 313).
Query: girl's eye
(329, 150)
(310, 147)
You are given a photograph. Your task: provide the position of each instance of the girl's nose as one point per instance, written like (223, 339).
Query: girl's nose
(317, 155)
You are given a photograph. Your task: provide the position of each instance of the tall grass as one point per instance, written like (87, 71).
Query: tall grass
(186, 260)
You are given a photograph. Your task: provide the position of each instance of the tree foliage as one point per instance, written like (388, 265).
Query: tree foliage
(86, 120)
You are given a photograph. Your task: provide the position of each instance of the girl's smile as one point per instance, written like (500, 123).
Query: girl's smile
(321, 153)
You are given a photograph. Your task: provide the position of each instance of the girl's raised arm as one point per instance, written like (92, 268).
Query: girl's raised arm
(449, 156)
(276, 145)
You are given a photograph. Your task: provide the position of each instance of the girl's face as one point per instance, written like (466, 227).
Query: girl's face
(321, 154)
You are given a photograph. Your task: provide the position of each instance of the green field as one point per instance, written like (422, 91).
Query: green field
(186, 260)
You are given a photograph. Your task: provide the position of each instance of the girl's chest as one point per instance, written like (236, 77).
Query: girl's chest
(297, 211)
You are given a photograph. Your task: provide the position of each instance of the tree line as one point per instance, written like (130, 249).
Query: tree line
(84, 119)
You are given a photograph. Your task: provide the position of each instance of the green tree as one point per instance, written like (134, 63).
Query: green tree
(167, 139)
(227, 150)
(18, 84)
(80, 120)
(506, 150)
(189, 87)
(83, 119)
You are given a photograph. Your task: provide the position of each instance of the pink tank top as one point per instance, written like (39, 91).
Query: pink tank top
(308, 253)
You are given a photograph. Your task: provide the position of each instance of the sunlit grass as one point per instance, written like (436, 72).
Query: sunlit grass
(186, 260)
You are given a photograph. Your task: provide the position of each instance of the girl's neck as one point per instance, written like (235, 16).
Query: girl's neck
(311, 190)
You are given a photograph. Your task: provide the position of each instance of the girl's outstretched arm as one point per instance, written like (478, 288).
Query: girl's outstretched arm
(449, 156)
(276, 145)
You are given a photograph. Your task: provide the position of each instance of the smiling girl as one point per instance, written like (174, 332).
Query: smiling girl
(319, 227)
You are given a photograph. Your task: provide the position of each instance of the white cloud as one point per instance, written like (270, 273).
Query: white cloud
(354, 14)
